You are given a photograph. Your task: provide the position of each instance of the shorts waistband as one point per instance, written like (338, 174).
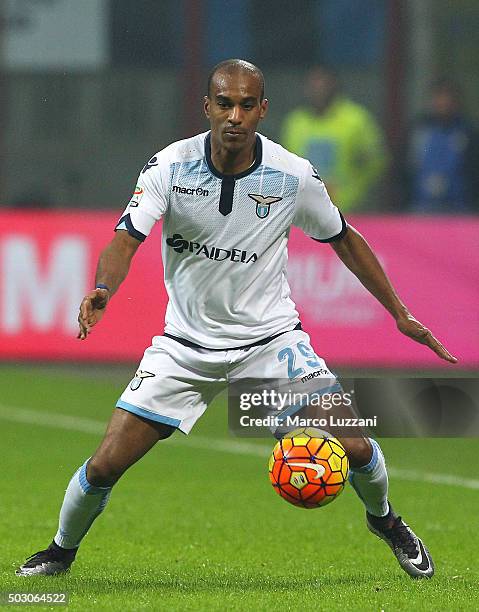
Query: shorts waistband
(185, 342)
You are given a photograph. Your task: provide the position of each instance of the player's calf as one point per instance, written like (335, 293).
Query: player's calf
(128, 438)
(358, 450)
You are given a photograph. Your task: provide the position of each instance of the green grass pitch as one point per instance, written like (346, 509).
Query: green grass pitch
(195, 526)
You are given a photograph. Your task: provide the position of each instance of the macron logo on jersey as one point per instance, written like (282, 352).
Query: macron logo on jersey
(190, 191)
(180, 244)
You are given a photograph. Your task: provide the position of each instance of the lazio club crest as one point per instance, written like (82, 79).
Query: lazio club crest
(263, 204)
(138, 379)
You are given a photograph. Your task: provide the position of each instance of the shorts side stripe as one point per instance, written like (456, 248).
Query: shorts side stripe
(147, 414)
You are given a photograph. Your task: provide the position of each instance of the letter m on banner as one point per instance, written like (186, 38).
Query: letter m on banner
(42, 293)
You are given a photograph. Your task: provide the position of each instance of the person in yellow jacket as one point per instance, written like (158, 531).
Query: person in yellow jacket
(339, 137)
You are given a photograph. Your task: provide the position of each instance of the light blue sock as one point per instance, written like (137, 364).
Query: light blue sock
(81, 505)
(371, 482)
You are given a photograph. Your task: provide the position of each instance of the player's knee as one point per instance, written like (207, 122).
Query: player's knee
(102, 472)
(359, 451)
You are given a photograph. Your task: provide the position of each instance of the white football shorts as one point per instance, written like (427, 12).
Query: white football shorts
(174, 384)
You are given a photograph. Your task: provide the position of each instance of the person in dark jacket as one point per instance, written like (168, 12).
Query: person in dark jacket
(442, 155)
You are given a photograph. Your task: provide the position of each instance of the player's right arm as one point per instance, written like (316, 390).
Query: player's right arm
(113, 266)
(148, 203)
(317, 216)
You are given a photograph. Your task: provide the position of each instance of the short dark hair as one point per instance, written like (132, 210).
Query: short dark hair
(232, 65)
(331, 71)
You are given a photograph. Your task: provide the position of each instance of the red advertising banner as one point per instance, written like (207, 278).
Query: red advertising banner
(48, 259)
(47, 265)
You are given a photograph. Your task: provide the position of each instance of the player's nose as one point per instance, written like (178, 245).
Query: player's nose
(236, 115)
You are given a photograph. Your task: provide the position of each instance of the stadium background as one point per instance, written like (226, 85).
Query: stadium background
(88, 92)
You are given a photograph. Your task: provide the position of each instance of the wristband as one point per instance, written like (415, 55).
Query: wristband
(102, 286)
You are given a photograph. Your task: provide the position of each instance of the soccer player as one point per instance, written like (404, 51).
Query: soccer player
(228, 198)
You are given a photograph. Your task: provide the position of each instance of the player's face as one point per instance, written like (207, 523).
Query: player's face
(234, 108)
(321, 88)
(445, 103)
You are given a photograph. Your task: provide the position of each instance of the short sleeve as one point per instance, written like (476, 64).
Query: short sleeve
(149, 200)
(315, 214)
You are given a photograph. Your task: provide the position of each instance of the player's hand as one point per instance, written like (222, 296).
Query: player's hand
(411, 327)
(92, 309)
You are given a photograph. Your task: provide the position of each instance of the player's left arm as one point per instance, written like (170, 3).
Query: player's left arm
(112, 269)
(356, 254)
(131, 230)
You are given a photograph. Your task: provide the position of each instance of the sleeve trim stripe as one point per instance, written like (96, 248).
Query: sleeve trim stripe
(342, 233)
(128, 225)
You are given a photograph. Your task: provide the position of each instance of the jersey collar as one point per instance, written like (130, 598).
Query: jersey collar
(258, 156)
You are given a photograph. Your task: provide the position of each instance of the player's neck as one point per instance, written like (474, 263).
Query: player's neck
(232, 162)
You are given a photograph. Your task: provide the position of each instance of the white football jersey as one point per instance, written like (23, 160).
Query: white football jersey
(225, 237)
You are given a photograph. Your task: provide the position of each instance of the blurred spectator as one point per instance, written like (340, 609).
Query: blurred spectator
(442, 156)
(339, 137)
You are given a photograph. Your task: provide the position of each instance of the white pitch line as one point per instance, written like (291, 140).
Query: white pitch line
(431, 477)
(91, 426)
(51, 419)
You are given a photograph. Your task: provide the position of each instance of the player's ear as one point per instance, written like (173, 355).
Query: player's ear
(206, 106)
(263, 108)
